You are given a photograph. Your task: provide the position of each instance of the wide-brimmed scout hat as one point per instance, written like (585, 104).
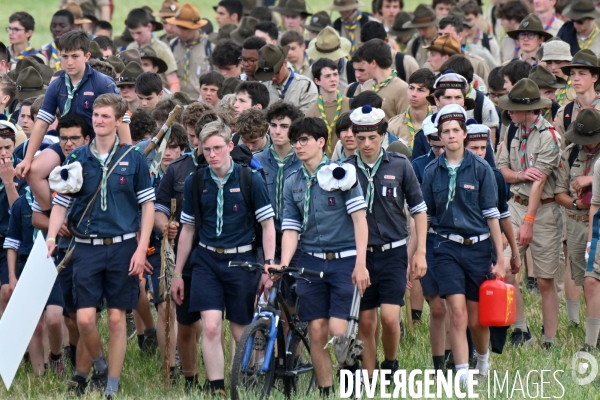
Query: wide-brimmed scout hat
(77, 12)
(556, 50)
(245, 30)
(586, 129)
(89, 11)
(188, 17)
(184, 98)
(270, 60)
(583, 59)
(445, 44)
(117, 63)
(228, 86)
(317, 22)
(30, 84)
(345, 5)
(130, 55)
(96, 51)
(168, 9)
(456, 11)
(397, 28)
(580, 9)
(291, 8)
(130, 74)
(328, 44)
(223, 33)
(422, 17)
(149, 53)
(531, 23)
(45, 71)
(123, 39)
(545, 79)
(524, 96)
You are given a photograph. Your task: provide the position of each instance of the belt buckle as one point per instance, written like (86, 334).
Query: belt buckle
(220, 250)
(525, 202)
(107, 241)
(467, 242)
(330, 256)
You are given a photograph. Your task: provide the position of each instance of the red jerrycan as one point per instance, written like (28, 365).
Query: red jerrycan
(497, 303)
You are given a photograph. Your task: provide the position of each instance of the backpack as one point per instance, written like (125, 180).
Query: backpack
(485, 42)
(478, 111)
(400, 66)
(350, 74)
(351, 90)
(567, 115)
(415, 46)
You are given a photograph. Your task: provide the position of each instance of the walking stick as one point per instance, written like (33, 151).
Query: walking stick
(167, 259)
(409, 321)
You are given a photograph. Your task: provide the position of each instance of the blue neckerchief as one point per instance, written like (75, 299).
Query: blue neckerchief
(287, 85)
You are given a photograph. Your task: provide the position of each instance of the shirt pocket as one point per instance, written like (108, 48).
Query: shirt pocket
(515, 155)
(440, 194)
(390, 191)
(299, 199)
(122, 178)
(468, 192)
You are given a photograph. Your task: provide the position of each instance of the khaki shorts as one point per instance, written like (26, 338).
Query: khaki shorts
(577, 237)
(546, 243)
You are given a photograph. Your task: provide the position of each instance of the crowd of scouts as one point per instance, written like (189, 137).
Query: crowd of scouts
(392, 150)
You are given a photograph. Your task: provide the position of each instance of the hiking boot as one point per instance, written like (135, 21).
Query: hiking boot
(520, 338)
(390, 365)
(99, 381)
(150, 343)
(57, 366)
(77, 385)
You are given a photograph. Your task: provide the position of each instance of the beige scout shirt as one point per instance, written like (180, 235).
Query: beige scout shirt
(542, 152)
(595, 46)
(422, 53)
(304, 69)
(395, 99)
(559, 121)
(199, 64)
(302, 92)
(409, 64)
(480, 67)
(345, 33)
(490, 56)
(507, 49)
(163, 51)
(567, 174)
(330, 108)
(555, 27)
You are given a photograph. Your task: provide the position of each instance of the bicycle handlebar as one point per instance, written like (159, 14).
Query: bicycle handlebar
(251, 267)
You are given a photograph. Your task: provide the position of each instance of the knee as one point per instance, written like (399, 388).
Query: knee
(438, 310)
(459, 318)
(115, 321)
(4, 294)
(318, 331)
(546, 285)
(54, 323)
(86, 322)
(368, 325)
(390, 321)
(212, 330)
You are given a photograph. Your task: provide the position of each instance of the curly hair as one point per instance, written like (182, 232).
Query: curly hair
(282, 109)
(226, 111)
(252, 124)
(142, 124)
(103, 67)
(207, 117)
(193, 112)
(226, 53)
(162, 110)
(178, 137)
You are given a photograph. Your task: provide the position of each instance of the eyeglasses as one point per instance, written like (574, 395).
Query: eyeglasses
(14, 30)
(216, 150)
(73, 139)
(302, 140)
(437, 148)
(528, 35)
(247, 61)
(580, 21)
(495, 95)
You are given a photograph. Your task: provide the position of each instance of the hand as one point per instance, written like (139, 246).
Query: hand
(531, 174)
(7, 172)
(498, 269)
(12, 283)
(504, 242)
(418, 265)
(64, 231)
(148, 268)
(172, 230)
(266, 285)
(587, 251)
(582, 206)
(177, 290)
(23, 168)
(51, 246)
(268, 269)
(525, 233)
(360, 277)
(515, 264)
(136, 266)
(582, 181)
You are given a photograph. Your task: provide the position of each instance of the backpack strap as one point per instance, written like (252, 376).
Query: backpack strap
(415, 46)
(246, 189)
(555, 108)
(573, 155)
(198, 188)
(485, 41)
(352, 90)
(478, 112)
(568, 115)
(337, 25)
(350, 73)
(510, 135)
(400, 66)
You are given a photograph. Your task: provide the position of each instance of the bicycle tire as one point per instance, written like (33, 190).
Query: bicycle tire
(241, 381)
(298, 360)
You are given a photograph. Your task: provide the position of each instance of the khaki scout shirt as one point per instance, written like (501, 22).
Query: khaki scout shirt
(199, 64)
(394, 95)
(345, 33)
(304, 69)
(302, 92)
(595, 46)
(559, 121)
(507, 49)
(567, 174)
(542, 152)
(330, 108)
(555, 27)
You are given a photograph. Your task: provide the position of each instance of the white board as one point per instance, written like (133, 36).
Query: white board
(25, 308)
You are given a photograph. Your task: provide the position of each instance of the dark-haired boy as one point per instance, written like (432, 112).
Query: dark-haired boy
(296, 55)
(226, 59)
(250, 49)
(61, 23)
(510, 14)
(149, 90)
(210, 84)
(228, 12)
(102, 28)
(20, 30)
(268, 31)
(251, 94)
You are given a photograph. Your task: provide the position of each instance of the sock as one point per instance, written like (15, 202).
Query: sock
(112, 386)
(416, 314)
(521, 324)
(150, 331)
(73, 354)
(592, 328)
(217, 384)
(140, 340)
(325, 391)
(390, 364)
(548, 340)
(530, 280)
(191, 382)
(55, 357)
(447, 353)
(81, 374)
(438, 362)
(464, 378)
(573, 310)
(100, 364)
(483, 362)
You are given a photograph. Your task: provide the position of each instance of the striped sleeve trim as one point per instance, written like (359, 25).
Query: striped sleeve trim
(291, 225)
(46, 117)
(419, 208)
(264, 213)
(355, 204)
(429, 218)
(162, 209)
(126, 118)
(10, 243)
(491, 213)
(505, 214)
(187, 219)
(35, 206)
(63, 200)
(146, 195)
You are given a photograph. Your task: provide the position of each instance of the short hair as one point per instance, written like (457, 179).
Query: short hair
(232, 7)
(343, 123)
(226, 53)
(312, 126)
(258, 93)
(67, 14)
(254, 43)
(4, 56)
(321, 63)
(461, 65)
(163, 108)
(148, 83)
(437, 93)
(516, 70)
(512, 10)
(178, 137)
(28, 102)
(560, 5)
(470, 7)
(74, 120)
(262, 14)
(73, 41)
(372, 30)
(25, 19)
(292, 37)
(374, 50)
(495, 79)
(252, 124)
(106, 43)
(103, 67)
(118, 104)
(215, 128)
(138, 17)
(282, 109)
(205, 118)
(447, 2)
(211, 78)
(366, 97)
(423, 76)
(141, 125)
(452, 20)
(378, 4)
(269, 28)
(193, 112)
(105, 25)
(9, 87)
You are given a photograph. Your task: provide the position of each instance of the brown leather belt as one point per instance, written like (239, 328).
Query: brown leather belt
(525, 202)
(585, 218)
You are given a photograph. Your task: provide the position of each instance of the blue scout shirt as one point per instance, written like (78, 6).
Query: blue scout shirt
(4, 207)
(92, 85)
(270, 167)
(476, 196)
(20, 228)
(393, 181)
(502, 194)
(420, 163)
(172, 184)
(235, 209)
(421, 146)
(329, 226)
(127, 187)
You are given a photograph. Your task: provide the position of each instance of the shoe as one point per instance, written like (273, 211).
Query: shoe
(77, 385)
(547, 345)
(588, 349)
(109, 396)
(99, 381)
(131, 331)
(393, 365)
(150, 344)
(532, 285)
(520, 338)
(57, 366)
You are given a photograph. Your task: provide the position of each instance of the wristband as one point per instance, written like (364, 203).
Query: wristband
(588, 244)
(529, 218)
(177, 276)
(517, 176)
(514, 257)
(171, 84)
(50, 239)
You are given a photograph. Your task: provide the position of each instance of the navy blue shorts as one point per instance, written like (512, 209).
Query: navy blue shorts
(103, 272)
(65, 279)
(184, 316)
(154, 260)
(387, 272)
(216, 286)
(462, 269)
(429, 283)
(3, 264)
(55, 298)
(330, 296)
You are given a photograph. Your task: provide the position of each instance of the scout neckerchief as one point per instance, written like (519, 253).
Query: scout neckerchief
(29, 198)
(589, 39)
(156, 166)
(304, 64)
(220, 199)
(56, 57)
(550, 23)
(452, 184)
(279, 183)
(370, 174)
(70, 93)
(287, 85)
(330, 125)
(562, 93)
(351, 29)
(516, 49)
(12, 161)
(411, 127)
(187, 60)
(525, 132)
(477, 37)
(104, 164)
(29, 50)
(377, 87)
(310, 180)
(149, 44)
(590, 152)
(577, 104)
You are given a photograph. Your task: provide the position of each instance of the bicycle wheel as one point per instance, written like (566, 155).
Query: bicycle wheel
(300, 374)
(250, 381)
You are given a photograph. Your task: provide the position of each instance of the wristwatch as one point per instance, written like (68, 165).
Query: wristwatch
(575, 205)
(270, 261)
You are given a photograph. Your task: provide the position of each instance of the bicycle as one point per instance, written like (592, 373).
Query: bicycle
(264, 353)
